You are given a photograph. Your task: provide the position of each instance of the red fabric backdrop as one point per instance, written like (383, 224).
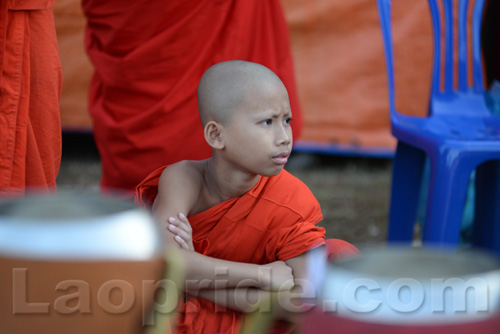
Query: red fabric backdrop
(339, 68)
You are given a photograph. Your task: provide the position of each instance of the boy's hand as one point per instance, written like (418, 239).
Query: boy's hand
(277, 276)
(182, 230)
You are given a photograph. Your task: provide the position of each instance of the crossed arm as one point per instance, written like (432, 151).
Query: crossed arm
(244, 284)
(243, 293)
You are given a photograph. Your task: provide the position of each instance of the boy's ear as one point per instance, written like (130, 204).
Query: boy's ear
(213, 135)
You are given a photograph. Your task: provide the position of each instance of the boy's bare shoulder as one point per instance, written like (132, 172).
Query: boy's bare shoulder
(179, 188)
(186, 172)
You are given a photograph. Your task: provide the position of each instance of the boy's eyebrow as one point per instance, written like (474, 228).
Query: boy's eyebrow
(262, 116)
(274, 113)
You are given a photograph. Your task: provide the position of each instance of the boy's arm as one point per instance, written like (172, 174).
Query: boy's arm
(178, 191)
(289, 302)
(245, 300)
(300, 274)
(208, 273)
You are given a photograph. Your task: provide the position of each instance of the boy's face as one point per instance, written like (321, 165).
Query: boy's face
(258, 138)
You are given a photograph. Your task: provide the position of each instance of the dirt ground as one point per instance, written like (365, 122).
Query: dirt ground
(353, 192)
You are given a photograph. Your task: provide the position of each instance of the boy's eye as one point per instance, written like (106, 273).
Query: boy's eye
(288, 120)
(267, 122)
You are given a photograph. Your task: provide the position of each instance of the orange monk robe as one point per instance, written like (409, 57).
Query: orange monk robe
(149, 56)
(30, 88)
(274, 221)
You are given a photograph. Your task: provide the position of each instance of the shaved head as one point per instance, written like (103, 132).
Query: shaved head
(227, 85)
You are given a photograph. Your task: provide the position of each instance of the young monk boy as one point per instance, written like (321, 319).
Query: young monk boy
(246, 214)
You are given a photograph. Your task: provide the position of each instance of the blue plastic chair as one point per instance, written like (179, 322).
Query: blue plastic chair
(459, 135)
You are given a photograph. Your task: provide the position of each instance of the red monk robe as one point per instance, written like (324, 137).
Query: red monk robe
(30, 89)
(274, 221)
(149, 56)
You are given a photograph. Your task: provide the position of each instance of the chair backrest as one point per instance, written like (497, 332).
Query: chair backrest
(445, 36)
(457, 64)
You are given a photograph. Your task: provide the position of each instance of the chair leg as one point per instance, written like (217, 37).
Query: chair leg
(487, 213)
(406, 179)
(445, 205)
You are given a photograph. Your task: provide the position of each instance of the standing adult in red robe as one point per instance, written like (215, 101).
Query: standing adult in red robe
(149, 56)
(30, 89)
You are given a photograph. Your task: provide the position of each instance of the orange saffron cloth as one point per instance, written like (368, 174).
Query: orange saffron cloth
(274, 221)
(30, 89)
(149, 56)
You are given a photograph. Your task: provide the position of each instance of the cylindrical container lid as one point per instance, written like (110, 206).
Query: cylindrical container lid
(72, 227)
(402, 285)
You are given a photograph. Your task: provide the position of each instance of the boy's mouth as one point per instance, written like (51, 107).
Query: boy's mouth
(281, 158)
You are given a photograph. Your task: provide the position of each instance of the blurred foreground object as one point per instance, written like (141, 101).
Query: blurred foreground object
(405, 290)
(74, 264)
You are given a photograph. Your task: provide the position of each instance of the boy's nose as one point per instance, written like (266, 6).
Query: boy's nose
(284, 136)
